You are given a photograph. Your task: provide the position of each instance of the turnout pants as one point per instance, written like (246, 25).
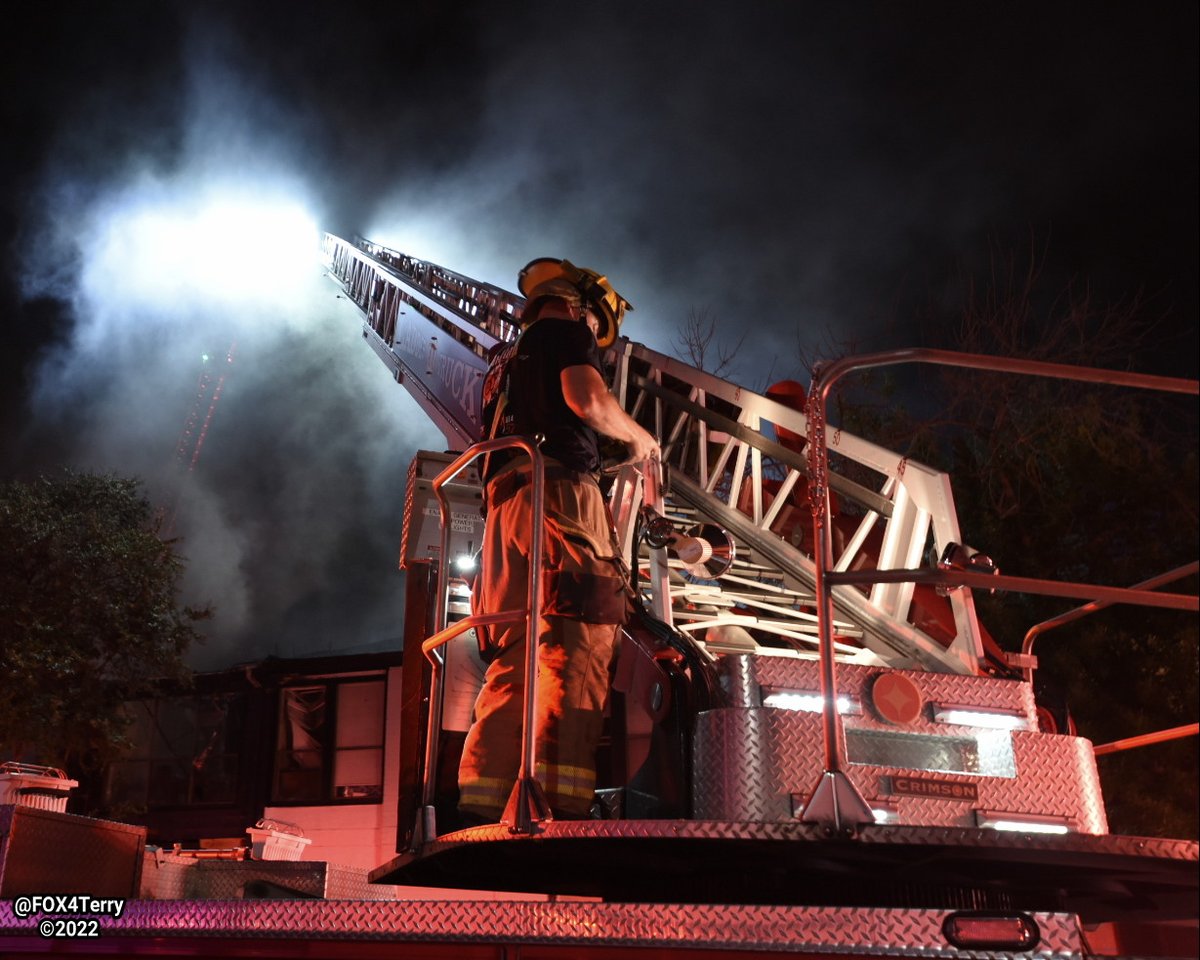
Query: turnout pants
(583, 597)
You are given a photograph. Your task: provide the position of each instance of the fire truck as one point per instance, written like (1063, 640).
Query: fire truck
(812, 744)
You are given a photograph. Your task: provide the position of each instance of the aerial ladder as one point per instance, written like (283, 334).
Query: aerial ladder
(808, 710)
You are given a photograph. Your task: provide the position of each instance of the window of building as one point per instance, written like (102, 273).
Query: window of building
(184, 752)
(329, 742)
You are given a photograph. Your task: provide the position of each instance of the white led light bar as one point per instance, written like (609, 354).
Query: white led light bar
(884, 814)
(807, 702)
(991, 718)
(1022, 822)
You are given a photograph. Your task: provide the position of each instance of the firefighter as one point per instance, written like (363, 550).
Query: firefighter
(549, 382)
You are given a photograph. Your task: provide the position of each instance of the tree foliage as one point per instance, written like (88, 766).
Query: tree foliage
(89, 615)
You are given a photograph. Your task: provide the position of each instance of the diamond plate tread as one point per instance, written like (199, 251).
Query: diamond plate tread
(749, 763)
(745, 767)
(1066, 780)
(1058, 777)
(169, 877)
(10, 812)
(861, 931)
(80, 854)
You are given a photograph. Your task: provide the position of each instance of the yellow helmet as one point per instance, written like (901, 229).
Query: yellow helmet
(548, 276)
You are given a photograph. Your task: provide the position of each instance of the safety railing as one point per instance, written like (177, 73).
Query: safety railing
(1037, 630)
(531, 803)
(1148, 739)
(835, 801)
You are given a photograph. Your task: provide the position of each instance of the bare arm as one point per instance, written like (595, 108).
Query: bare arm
(586, 393)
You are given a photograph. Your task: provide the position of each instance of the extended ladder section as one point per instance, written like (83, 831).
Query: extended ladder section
(735, 486)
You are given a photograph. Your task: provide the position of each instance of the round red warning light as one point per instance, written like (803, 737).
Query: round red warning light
(895, 698)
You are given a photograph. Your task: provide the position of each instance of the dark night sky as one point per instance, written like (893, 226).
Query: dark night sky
(802, 171)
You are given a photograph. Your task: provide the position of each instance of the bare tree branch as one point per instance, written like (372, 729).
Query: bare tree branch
(697, 337)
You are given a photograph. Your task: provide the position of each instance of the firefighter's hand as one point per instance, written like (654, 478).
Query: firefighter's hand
(643, 446)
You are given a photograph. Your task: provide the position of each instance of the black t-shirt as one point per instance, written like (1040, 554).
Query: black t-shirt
(535, 401)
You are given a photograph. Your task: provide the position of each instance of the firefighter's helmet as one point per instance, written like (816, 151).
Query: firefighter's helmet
(551, 276)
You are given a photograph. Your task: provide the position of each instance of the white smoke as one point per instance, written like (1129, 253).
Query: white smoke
(199, 270)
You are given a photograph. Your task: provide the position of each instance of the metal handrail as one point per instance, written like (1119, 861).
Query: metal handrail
(529, 791)
(1100, 604)
(1146, 739)
(1140, 594)
(835, 800)
(432, 650)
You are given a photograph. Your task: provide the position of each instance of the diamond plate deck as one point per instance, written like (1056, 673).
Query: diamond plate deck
(1100, 877)
(1185, 851)
(871, 932)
